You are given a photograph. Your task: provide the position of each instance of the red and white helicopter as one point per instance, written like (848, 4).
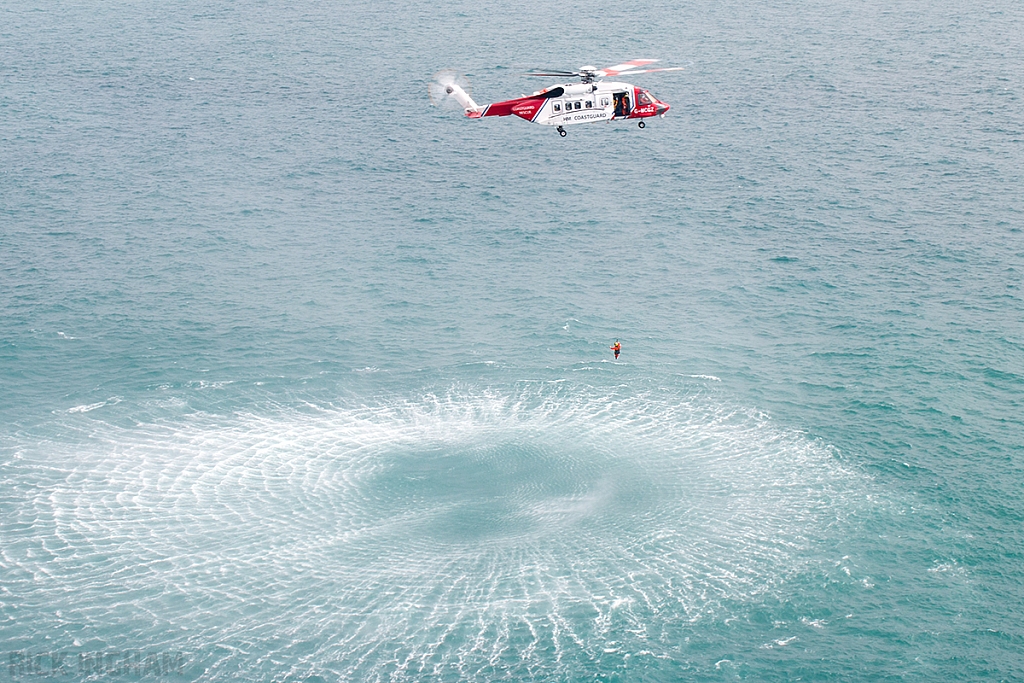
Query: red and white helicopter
(568, 103)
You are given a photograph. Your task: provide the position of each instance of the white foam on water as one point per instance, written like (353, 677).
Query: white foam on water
(113, 400)
(87, 408)
(470, 533)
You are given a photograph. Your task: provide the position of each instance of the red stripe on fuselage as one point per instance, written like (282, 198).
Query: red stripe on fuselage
(523, 107)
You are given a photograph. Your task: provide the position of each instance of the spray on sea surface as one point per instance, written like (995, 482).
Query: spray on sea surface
(477, 531)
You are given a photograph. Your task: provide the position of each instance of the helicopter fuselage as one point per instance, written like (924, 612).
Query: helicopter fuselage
(573, 103)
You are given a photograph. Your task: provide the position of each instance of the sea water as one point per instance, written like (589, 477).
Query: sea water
(304, 379)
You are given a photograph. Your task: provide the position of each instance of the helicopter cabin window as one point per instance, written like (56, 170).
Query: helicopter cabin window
(590, 104)
(577, 105)
(557, 107)
(604, 101)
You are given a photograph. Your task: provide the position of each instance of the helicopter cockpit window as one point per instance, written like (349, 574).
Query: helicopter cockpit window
(645, 98)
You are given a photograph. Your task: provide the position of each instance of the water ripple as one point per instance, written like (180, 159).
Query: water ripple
(468, 534)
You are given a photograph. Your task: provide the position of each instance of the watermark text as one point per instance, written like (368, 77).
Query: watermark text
(24, 663)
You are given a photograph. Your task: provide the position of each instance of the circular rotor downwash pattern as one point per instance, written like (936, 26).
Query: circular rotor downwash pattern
(538, 532)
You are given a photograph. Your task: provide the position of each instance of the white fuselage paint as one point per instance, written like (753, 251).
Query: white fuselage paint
(601, 100)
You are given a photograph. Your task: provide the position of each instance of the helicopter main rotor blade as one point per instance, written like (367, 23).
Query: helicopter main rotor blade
(624, 69)
(552, 73)
(647, 71)
(625, 66)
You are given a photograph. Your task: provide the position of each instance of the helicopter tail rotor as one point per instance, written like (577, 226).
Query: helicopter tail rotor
(450, 89)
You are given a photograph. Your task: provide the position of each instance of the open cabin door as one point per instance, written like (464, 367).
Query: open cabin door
(622, 104)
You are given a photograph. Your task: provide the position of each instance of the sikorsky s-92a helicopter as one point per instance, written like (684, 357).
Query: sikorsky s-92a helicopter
(567, 104)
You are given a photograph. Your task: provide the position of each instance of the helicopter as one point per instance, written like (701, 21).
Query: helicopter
(589, 101)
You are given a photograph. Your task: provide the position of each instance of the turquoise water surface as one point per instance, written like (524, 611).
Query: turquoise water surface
(304, 379)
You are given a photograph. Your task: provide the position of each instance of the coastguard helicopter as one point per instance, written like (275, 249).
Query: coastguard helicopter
(568, 103)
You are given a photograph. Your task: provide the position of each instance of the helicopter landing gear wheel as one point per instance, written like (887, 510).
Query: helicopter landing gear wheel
(641, 124)
(561, 131)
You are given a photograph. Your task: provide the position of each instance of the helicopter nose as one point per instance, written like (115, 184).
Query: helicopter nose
(662, 109)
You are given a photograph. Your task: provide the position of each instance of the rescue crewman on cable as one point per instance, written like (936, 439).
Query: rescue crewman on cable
(616, 347)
